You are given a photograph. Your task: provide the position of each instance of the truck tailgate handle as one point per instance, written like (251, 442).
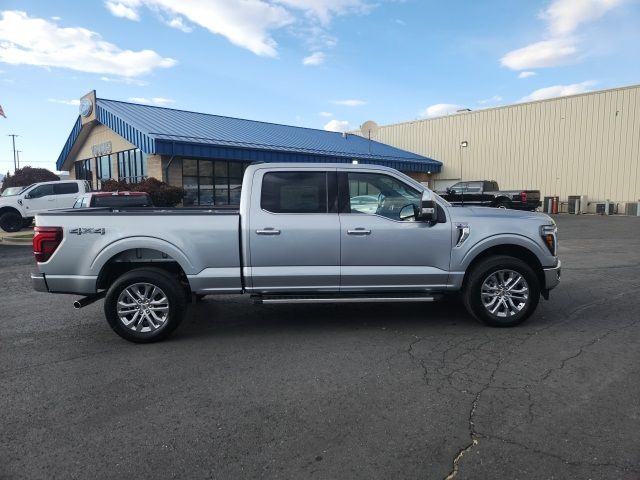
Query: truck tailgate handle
(359, 231)
(268, 231)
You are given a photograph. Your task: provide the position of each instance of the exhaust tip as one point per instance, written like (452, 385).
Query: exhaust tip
(77, 304)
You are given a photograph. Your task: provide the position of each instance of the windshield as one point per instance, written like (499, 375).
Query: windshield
(13, 191)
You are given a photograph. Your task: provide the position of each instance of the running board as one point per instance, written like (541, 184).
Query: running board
(344, 298)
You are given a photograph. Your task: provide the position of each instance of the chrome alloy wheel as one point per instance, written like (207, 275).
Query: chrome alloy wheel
(143, 307)
(504, 293)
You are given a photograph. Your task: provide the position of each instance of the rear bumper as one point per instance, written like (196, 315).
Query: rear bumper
(39, 283)
(552, 276)
(81, 285)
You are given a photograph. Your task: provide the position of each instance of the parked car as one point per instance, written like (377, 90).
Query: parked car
(113, 200)
(486, 193)
(297, 238)
(17, 211)
(8, 192)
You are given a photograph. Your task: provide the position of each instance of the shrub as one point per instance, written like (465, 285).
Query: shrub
(27, 175)
(162, 194)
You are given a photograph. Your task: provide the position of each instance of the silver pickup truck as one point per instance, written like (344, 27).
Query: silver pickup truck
(304, 233)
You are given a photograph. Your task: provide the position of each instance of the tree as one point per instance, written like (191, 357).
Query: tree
(161, 193)
(26, 176)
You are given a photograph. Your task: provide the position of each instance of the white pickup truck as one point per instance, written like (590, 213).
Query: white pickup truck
(304, 233)
(17, 211)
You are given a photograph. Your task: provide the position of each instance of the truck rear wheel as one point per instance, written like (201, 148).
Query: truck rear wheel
(501, 291)
(11, 221)
(145, 305)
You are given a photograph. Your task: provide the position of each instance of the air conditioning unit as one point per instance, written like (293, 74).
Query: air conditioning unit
(601, 208)
(632, 208)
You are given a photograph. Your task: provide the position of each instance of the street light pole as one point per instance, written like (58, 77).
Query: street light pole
(13, 138)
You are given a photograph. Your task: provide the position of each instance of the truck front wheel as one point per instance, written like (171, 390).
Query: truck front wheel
(145, 305)
(501, 291)
(11, 221)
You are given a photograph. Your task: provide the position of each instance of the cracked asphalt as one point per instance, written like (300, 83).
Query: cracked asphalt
(336, 391)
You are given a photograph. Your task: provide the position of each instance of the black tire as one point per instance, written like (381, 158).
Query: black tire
(502, 204)
(27, 222)
(11, 221)
(482, 271)
(167, 284)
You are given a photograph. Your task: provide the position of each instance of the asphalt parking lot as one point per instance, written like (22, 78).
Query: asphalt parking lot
(348, 391)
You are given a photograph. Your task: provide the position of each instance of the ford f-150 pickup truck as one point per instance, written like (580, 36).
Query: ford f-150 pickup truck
(485, 193)
(299, 237)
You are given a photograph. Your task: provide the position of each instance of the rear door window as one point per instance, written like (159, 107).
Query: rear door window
(65, 188)
(295, 192)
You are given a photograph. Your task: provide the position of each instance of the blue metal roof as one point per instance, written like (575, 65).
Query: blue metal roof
(166, 131)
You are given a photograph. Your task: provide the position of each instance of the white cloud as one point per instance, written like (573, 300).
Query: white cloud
(248, 23)
(526, 74)
(563, 17)
(440, 109)
(40, 42)
(325, 114)
(558, 91)
(494, 99)
(324, 10)
(400, 22)
(74, 102)
(152, 101)
(349, 103)
(547, 53)
(178, 23)
(119, 9)
(338, 126)
(316, 58)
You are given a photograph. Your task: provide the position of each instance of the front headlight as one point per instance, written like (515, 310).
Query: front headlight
(550, 238)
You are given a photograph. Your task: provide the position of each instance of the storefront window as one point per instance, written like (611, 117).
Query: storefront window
(212, 182)
(103, 169)
(83, 171)
(132, 166)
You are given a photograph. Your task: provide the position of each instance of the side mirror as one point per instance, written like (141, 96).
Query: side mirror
(27, 196)
(428, 211)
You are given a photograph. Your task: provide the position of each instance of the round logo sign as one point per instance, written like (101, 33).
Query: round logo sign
(86, 107)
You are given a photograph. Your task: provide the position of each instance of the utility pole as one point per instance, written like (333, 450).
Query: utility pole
(15, 163)
(18, 152)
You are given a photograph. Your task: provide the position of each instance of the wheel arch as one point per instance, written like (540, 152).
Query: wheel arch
(128, 254)
(513, 250)
(8, 209)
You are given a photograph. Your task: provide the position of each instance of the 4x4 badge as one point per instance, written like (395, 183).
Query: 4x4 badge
(85, 231)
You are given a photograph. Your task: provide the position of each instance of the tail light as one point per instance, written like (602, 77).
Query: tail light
(45, 242)
(523, 197)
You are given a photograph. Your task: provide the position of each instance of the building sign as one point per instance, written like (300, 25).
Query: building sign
(86, 107)
(101, 149)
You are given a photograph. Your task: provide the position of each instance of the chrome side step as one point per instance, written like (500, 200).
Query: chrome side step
(343, 298)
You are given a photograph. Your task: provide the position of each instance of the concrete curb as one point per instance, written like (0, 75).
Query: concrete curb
(15, 241)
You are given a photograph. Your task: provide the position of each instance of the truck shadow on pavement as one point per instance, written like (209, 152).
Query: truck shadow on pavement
(238, 316)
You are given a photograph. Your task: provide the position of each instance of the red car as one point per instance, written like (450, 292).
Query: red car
(113, 200)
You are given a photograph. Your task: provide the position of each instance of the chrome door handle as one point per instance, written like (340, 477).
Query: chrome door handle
(358, 231)
(268, 231)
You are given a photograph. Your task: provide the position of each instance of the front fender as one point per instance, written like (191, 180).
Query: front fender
(461, 259)
(132, 243)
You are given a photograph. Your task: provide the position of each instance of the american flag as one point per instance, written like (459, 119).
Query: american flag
(2, 112)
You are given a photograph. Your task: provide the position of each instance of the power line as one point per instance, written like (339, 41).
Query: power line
(13, 138)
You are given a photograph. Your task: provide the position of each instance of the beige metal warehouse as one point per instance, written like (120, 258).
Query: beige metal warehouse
(587, 144)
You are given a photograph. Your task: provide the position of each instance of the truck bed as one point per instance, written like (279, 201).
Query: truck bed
(202, 241)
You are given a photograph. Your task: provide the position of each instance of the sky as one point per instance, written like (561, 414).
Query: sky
(329, 64)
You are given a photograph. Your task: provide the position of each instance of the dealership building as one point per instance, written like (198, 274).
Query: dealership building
(585, 145)
(206, 154)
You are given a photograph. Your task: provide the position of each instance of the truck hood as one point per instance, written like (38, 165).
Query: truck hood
(460, 214)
